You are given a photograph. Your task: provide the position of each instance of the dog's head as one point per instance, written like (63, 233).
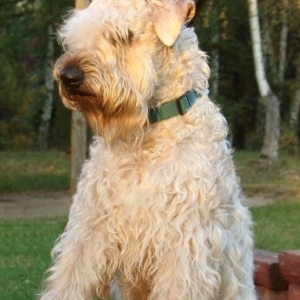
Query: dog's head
(114, 62)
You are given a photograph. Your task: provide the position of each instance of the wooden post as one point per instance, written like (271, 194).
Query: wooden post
(78, 132)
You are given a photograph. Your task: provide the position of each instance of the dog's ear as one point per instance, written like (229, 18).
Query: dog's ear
(168, 16)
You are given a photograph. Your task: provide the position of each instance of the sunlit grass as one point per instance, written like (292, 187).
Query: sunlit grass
(33, 170)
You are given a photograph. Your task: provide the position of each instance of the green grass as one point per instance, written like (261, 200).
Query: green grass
(33, 170)
(277, 226)
(280, 181)
(25, 255)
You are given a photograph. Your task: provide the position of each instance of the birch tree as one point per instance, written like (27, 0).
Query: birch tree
(44, 127)
(283, 42)
(78, 132)
(269, 150)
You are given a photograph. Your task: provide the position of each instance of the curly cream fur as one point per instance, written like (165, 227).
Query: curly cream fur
(158, 206)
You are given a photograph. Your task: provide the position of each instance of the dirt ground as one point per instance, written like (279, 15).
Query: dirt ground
(51, 204)
(35, 204)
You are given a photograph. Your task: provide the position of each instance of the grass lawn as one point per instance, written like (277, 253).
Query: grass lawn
(33, 170)
(277, 226)
(25, 255)
(280, 181)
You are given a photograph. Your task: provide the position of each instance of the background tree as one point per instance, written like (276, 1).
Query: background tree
(236, 92)
(292, 72)
(47, 109)
(267, 97)
(24, 48)
(281, 31)
(224, 33)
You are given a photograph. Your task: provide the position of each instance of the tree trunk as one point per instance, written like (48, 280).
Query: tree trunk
(294, 112)
(269, 150)
(283, 43)
(78, 132)
(44, 127)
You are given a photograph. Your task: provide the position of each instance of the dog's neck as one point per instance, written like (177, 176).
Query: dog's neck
(172, 108)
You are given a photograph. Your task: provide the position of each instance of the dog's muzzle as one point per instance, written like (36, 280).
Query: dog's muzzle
(71, 77)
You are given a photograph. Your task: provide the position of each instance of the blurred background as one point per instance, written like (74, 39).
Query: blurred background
(32, 116)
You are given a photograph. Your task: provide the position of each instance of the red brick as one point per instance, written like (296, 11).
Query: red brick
(294, 292)
(289, 264)
(264, 293)
(267, 272)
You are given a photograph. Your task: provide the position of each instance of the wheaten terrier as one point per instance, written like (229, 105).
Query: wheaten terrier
(158, 207)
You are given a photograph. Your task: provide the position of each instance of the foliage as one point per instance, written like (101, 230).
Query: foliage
(23, 40)
(33, 170)
(221, 26)
(237, 88)
(16, 114)
(230, 36)
(288, 141)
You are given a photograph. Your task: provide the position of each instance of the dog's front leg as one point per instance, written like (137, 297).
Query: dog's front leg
(81, 258)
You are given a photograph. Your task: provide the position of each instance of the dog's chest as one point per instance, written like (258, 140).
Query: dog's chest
(137, 186)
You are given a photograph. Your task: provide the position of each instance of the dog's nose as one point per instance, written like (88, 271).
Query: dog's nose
(71, 77)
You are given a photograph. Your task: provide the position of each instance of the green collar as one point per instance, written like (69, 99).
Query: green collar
(173, 108)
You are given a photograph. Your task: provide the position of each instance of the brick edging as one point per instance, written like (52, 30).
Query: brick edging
(277, 275)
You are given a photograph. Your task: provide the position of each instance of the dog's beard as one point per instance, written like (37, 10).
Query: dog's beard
(121, 123)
